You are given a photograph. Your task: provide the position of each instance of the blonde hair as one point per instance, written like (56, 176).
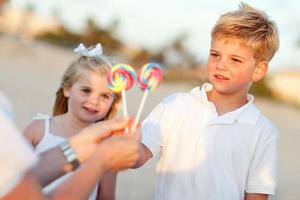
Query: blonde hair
(253, 27)
(99, 64)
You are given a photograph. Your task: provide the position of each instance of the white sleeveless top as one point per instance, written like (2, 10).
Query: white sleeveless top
(47, 142)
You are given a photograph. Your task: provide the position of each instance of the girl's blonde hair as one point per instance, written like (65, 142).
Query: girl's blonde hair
(253, 27)
(99, 64)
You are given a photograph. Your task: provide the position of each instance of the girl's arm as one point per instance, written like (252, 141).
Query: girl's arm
(34, 132)
(107, 186)
(50, 166)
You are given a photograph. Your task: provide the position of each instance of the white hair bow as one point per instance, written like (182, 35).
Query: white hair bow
(94, 52)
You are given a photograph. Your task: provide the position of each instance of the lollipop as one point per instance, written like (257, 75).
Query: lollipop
(149, 78)
(121, 79)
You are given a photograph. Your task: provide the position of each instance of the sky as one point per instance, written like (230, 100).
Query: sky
(155, 23)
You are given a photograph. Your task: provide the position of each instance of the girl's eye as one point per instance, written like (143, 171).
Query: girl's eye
(86, 90)
(106, 96)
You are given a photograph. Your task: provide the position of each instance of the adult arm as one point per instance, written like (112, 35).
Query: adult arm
(114, 154)
(27, 188)
(84, 144)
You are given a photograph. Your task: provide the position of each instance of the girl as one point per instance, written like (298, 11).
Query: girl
(82, 99)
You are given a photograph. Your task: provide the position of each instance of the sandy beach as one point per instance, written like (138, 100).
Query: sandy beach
(30, 73)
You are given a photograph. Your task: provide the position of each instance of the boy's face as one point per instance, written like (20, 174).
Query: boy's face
(232, 67)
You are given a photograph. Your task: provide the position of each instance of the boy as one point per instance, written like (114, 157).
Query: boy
(213, 143)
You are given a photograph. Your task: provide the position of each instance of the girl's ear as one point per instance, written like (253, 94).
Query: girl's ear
(260, 71)
(66, 91)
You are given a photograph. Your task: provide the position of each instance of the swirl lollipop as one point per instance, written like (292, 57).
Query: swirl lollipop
(149, 78)
(121, 79)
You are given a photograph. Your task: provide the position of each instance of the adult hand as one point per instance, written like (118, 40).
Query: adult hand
(120, 152)
(85, 142)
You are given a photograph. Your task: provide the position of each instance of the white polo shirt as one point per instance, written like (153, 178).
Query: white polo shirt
(16, 156)
(203, 156)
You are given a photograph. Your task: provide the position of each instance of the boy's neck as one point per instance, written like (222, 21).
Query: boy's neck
(225, 103)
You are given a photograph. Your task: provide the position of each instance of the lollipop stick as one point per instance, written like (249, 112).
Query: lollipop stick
(124, 104)
(137, 118)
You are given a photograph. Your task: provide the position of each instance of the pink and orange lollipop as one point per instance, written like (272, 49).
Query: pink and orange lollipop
(149, 78)
(122, 78)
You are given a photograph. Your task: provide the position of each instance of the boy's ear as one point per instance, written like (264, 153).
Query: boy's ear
(66, 91)
(260, 71)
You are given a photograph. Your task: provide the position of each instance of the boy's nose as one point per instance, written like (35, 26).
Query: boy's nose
(221, 65)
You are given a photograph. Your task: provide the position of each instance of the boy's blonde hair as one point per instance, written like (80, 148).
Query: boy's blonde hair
(253, 27)
(99, 64)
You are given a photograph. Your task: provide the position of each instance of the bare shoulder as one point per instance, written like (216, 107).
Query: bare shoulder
(34, 132)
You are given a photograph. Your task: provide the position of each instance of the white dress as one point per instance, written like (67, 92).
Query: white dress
(48, 141)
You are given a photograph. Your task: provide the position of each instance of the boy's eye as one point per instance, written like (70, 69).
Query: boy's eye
(236, 60)
(214, 54)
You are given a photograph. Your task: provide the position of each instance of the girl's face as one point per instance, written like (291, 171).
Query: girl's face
(89, 98)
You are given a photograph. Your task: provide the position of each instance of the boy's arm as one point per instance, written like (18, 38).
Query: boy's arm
(262, 174)
(144, 155)
(252, 196)
(107, 186)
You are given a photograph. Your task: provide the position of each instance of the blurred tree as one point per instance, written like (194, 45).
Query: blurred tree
(2, 2)
(61, 36)
(142, 57)
(176, 54)
(181, 64)
(94, 34)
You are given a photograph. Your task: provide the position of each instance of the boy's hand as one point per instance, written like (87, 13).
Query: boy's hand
(253, 196)
(85, 142)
